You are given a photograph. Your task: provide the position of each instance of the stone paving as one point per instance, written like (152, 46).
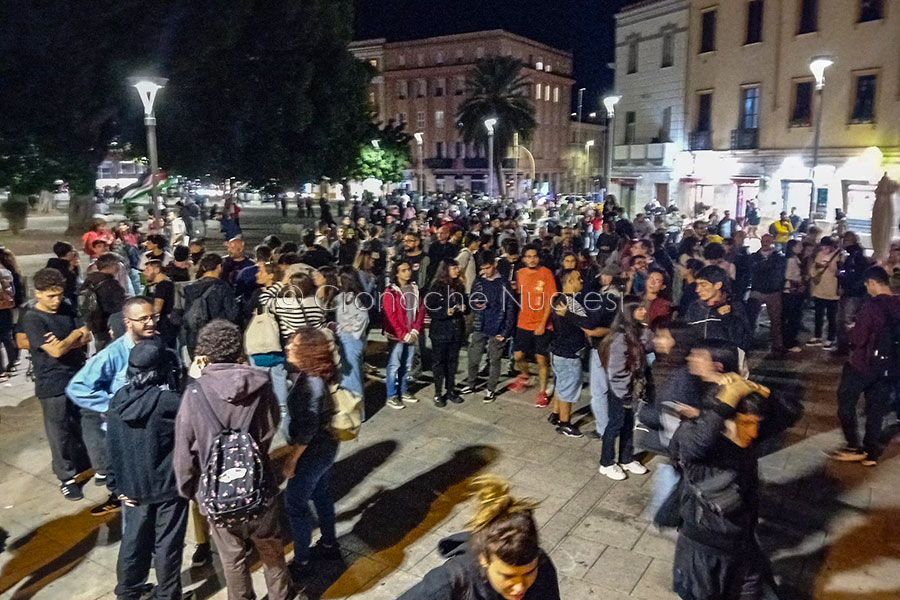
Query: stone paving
(832, 530)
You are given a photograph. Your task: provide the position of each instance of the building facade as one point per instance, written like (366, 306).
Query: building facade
(752, 106)
(423, 83)
(651, 72)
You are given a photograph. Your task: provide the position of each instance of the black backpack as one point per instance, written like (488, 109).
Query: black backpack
(89, 306)
(199, 314)
(885, 359)
(232, 483)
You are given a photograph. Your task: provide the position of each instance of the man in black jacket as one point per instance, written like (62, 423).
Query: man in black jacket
(141, 439)
(715, 316)
(102, 296)
(216, 296)
(66, 262)
(315, 255)
(717, 555)
(767, 267)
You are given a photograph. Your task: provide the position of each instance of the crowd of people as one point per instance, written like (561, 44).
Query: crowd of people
(199, 358)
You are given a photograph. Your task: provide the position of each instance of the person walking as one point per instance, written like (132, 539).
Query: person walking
(141, 437)
(446, 303)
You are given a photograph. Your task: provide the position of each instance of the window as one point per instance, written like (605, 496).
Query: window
(547, 92)
(401, 60)
(402, 89)
(479, 52)
(105, 172)
(422, 90)
(665, 130)
(459, 56)
(126, 168)
(870, 10)
(539, 66)
(420, 120)
(537, 91)
(754, 21)
(864, 105)
(439, 58)
(704, 111)
(668, 49)
(548, 68)
(801, 115)
(439, 118)
(439, 86)
(809, 16)
(749, 108)
(460, 85)
(401, 118)
(629, 127)
(460, 150)
(708, 31)
(632, 56)
(439, 149)
(373, 62)
(371, 98)
(556, 94)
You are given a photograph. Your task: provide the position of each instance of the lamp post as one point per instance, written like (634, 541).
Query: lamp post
(587, 149)
(489, 124)
(580, 104)
(147, 87)
(610, 103)
(516, 178)
(817, 66)
(420, 142)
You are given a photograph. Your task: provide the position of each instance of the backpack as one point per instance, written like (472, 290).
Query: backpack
(199, 313)
(89, 306)
(348, 413)
(263, 335)
(176, 317)
(885, 359)
(232, 482)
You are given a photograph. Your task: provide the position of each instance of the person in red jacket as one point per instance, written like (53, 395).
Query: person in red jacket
(403, 321)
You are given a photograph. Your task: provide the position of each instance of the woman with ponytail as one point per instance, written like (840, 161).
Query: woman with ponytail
(498, 558)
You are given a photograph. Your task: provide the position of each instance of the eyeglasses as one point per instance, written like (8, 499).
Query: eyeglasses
(145, 319)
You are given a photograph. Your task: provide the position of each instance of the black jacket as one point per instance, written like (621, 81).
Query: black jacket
(851, 275)
(767, 272)
(446, 328)
(462, 577)
(141, 437)
(707, 323)
(110, 298)
(317, 257)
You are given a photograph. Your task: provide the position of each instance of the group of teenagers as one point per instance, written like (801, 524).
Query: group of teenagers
(262, 342)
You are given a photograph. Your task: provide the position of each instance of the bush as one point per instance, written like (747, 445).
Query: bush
(15, 211)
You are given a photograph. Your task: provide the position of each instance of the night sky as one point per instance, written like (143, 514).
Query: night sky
(584, 27)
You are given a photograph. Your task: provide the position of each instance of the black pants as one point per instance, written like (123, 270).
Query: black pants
(445, 361)
(792, 313)
(95, 440)
(151, 532)
(877, 391)
(823, 308)
(701, 573)
(61, 423)
(6, 339)
(620, 425)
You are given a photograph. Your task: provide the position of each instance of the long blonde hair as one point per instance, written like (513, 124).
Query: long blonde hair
(503, 526)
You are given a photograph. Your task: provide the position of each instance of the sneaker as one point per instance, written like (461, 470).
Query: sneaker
(71, 490)
(202, 556)
(814, 342)
(409, 398)
(795, 349)
(636, 467)
(455, 398)
(553, 419)
(466, 390)
(111, 505)
(440, 401)
(100, 480)
(569, 430)
(395, 403)
(869, 462)
(322, 552)
(614, 472)
(595, 435)
(542, 401)
(847, 455)
(489, 397)
(519, 384)
(830, 346)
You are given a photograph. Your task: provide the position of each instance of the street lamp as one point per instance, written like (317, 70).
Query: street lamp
(489, 124)
(376, 144)
(147, 88)
(817, 66)
(593, 115)
(587, 148)
(420, 141)
(610, 104)
(580, 102)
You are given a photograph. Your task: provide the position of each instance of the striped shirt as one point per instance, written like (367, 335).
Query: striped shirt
(291, 311)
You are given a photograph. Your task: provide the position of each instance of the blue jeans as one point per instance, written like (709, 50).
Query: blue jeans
(665, 478)
(399, 364)
(351, 349)
(599, 389)
(312, 481)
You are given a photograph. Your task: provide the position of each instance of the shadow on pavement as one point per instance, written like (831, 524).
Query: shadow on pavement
(391, 520)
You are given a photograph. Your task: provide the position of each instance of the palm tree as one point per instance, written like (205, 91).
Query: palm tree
(497, 89)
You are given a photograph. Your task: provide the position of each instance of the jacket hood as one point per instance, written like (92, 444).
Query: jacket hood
(232, 383)
(135, 404)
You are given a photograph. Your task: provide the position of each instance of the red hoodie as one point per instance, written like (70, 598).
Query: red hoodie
(395, 323)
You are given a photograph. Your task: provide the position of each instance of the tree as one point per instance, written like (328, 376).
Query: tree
(392, 156)
(497, 89)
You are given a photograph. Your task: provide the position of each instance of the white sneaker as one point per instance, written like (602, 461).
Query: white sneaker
(409, 398)
(636, 467)
(814, 342)
(614, 472)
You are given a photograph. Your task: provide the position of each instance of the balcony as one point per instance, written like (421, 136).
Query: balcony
(439, 163)
(744, 139)
(475, 163)
(700, 140)
(661, 154)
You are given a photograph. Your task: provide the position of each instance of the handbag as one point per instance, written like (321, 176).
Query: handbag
(263, 335)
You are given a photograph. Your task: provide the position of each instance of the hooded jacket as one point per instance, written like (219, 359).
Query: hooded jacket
(395, 322)
(141, 437)
(462, 577)
(874, 315)
(493, 304)
(232, 391)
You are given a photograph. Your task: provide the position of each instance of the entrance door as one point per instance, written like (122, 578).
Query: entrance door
(662, 193)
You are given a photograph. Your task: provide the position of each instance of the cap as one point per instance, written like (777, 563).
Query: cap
(146, 354)
(236, 237)
(612, 269)
(714, 238)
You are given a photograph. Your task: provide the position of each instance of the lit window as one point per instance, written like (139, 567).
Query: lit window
(547, 92)
(439, 118)
(373, 62)
(539, 66)
(556, 94)
(537, 91)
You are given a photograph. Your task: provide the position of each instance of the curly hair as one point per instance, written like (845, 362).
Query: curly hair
(503, 526)
(47, 279)
(220, 341)
(311, 352)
